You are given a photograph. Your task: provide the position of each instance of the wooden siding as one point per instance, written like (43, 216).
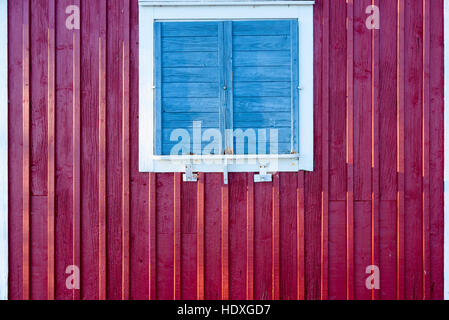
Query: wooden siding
(76, 196)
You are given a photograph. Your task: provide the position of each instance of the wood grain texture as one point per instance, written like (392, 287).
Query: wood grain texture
(51, 116)
(26, 151)
(76, 195)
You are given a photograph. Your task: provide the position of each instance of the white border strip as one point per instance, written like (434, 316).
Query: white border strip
(303, 11)
(446, 149)
(3, 149)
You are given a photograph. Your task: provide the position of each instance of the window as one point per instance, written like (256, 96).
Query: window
(226, 86)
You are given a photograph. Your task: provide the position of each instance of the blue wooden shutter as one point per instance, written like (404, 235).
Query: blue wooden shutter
(188, 77)
(265, 83)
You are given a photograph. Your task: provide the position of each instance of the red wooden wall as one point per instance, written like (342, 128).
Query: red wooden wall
(77, 198)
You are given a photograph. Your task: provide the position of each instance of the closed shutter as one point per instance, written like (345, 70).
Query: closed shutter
(238, 77)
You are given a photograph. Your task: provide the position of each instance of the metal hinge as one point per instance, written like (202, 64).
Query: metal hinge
(189, 176)
(263, 175)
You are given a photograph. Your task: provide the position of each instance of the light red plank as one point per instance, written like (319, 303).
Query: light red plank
(375, 136)
(250, 238)
(300, 238)
(426, 151)
(177, 185)
(125, 151)
(350, 151)
(225, 242)
(26, 151)
(276, 238)
(325, 157)
(400, 273)
(152, 263)
(51, 116)
(200, 237)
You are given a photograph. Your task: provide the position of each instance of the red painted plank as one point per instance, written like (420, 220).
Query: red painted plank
(275, 238)
(224, 242)
(15, 136)
(263, 242)
(189, 213)
(125, 151)
(177, 189)
(165, 237)
(388, 163)
(76, 138)
(388, 253)
(413, 150)
(337, 250)
(350, 151)
(90, 28)
(152, 245)
(375, 136)
(290, 252)
(362, 248)
(313, 180)
(212, 225)
(143, 255)
(102, 218)
(436, 150)
(51, 116)
(238, 186)
(38, 150)
(426, 151)
(325, 156)
(114, 149)
(337, 99)
(200, 237)
(26, 151)
(250, 238)
(363, 103)
(300, 236)
(400, 280)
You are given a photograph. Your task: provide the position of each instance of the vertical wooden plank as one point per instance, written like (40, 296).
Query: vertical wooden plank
(313, 180)
(51, 116)
(152, 264)
(290, 217)
(250, 238)
(102, 165)
(143, 197)
(400, 281)
(177, 185)
(225, 242)
(325, 156)
(275, 238)
(388, 162)
(300, 237)
(4, 151)
(125, 152)
(26, 150)
(413, 149)
(200, 237)
(212, 226)
(295, 84)
(238, 186)
(375, 126)
(350, 151)
(426, 150)
(228, 87)
(437, 20)
(76, 151)
(15, 152)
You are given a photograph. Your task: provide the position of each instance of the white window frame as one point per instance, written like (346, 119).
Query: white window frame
(151, 11)
(3, 149)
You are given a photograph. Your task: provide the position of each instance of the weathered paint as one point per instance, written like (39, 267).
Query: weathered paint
(375, 196)
(3, 150)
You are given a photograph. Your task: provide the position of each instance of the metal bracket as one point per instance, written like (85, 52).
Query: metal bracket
(263, 176)
(189, 176)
